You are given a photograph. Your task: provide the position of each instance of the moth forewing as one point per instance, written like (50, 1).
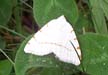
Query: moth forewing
(54, 37)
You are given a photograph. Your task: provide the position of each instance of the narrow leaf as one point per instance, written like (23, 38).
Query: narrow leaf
(104, 6)
(98, 17)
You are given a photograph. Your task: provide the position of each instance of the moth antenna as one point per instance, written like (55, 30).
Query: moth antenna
(75, 50)
(78, 56)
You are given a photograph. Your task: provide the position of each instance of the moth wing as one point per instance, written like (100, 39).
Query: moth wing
(49, 33)
(65, 51)
(55, 37)
(36, 48)
(75, 43)
(67, 55)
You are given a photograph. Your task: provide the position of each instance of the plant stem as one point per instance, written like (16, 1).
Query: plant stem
(83, 29)
(7, 57)
(26, 4)
(12, 31)
(17, 14)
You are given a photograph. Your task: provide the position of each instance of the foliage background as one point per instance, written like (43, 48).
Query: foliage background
(21, 18)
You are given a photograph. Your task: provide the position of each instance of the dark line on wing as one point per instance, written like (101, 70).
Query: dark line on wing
(55, 44)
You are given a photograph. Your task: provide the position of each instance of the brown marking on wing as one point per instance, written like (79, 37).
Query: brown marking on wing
(28, 43)
(33, 36)
(71, 31)
(54, 44)
(47, 25)
(40, 30)
(80, 57)
(75, 38)
(78, 48)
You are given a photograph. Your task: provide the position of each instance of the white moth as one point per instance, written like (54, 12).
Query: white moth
(55, 38)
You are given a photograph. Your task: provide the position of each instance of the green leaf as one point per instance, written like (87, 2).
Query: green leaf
(24, 61)
(98, 17)
(5, 67)
(81, 23)
(95, 53)
(29, 60)
(47, 10)
(106, 1)
(104, 6)
(5, 11)
(2, 43)
(51, 71)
